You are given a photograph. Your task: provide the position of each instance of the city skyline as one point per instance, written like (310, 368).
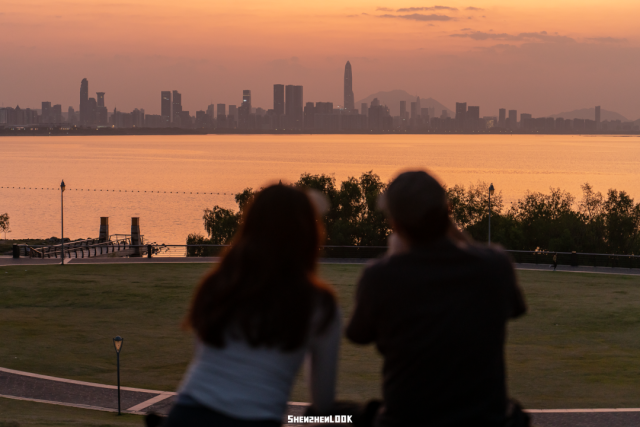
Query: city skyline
(543, 57)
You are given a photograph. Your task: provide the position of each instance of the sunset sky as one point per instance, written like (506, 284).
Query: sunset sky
(540, 57)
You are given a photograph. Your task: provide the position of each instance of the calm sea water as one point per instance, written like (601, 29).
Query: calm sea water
(227, 164)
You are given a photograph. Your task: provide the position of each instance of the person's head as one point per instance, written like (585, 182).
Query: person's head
(417, 207)
(264, 289)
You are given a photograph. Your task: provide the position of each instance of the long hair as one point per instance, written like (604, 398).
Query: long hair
(265, 290)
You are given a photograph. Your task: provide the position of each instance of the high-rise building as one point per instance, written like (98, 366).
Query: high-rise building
(502, 116)
(461, 115)
(418, 105)
(513, 119)
(46, 112)
(56, 113)
(598, 117)
(472, 119)
(364, 108)
(165, 107)
(71, 115)
(176, 107)
(221, 116)
(403, 109)
(278, 99)
(244, 112)
(293, 106)
(348, 88)
(414, 110)
(92, 111)
(100, 99)
(309, 115)
(101, 112)
(84, 102)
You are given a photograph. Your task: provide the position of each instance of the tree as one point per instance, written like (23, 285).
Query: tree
(221, 224)
(4, 224)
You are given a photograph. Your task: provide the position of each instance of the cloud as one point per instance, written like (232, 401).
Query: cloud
(607, 39)
(418, 9)
(384, 9)
(352, 16)
(542, 36)
(419, 17)
(474, 8)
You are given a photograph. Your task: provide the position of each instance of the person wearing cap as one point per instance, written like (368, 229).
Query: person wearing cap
(436, 307)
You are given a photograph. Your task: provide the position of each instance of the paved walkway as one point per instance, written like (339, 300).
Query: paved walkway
(6, 261)
(80, 394)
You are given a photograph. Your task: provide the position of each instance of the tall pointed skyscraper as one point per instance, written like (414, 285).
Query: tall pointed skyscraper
(84, 102)
(348, 88)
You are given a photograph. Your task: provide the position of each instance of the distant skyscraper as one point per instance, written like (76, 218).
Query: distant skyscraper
(293, 106)
(348, 88)
(418, 105)
(244, 112)
(414, 110)
(100, 99)
(502, 117)
(246, 100)
(598, 117)
(403, 109)
(513, 119)
(176, 106)
(221, 116)
(461, 113)
(56, 113)
(71, 115)
(278, 99)
(165, 107)
(84, 101)
(46, 112)
(364, 108)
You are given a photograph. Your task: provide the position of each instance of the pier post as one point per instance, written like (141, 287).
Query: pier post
(135, 236)
(104, 229)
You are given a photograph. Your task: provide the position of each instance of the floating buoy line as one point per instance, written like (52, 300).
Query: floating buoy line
(122, 191)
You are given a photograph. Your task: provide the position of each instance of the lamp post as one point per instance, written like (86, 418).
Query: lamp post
(491, 191)
(117, 343)
(62, 187)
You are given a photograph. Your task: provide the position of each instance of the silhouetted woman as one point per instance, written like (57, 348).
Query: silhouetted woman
(256, 316)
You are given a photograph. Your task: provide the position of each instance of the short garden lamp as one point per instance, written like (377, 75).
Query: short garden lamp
(491, 191)
(117, 343)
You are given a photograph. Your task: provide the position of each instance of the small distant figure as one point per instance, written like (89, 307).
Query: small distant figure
(555, 261)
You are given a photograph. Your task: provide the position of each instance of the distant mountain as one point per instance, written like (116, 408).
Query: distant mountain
(392, 100)
(590, 113)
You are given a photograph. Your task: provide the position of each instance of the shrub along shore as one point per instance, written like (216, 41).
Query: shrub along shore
(553, 221)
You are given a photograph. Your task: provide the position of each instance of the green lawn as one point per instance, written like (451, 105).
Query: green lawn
(17, 413)
(579, 345)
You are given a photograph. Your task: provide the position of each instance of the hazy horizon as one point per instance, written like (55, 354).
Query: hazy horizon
(537, 57)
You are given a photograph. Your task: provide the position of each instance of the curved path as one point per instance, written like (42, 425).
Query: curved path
(80, 394)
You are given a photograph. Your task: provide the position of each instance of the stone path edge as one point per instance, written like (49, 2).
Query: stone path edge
(161, 395)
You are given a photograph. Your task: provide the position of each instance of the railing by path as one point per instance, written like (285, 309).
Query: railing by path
(370, 252)
(122, 247)
(117, 245)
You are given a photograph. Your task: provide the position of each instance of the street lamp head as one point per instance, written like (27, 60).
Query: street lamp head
(491, 189)
(62, 186)
(117, 343)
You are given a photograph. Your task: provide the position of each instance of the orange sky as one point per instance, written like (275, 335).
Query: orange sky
(540, 57)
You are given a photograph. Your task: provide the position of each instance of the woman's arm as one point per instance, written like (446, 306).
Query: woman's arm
(322, 365)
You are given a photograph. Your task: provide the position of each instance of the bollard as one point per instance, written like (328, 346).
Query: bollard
(149, 250)
(135, 236)
(16, 251)
(104, 229)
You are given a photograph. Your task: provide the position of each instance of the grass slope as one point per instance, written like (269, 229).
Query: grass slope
(577, 347)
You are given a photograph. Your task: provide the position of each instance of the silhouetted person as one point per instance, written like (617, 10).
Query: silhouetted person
(555, 261)
(256, 316)
(436, 309)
